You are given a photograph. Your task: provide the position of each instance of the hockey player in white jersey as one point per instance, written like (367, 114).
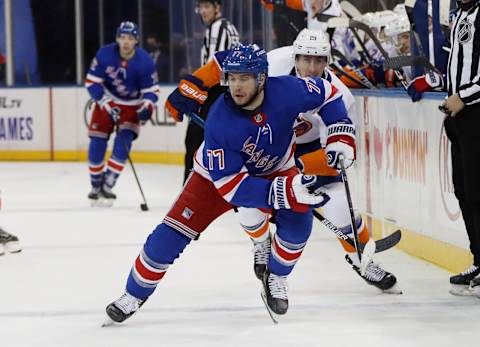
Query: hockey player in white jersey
(309, 57)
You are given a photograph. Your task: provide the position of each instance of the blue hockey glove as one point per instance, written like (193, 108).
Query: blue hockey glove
(187, 98)
(145, 111)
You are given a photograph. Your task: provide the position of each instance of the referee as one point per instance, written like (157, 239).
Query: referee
(463, 130)
(220, 35)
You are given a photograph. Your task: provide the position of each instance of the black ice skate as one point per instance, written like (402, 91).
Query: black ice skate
(376, 276)
(274, 294)
(101, 197)
(475, 287)
(94, 195)
(460, 283)
(261, 252)
(8, 243)
(122, 309)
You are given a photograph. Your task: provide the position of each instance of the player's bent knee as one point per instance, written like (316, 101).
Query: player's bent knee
(165, 244)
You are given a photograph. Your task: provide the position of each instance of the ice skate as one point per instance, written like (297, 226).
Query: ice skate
(101, 197)
(261, 252)
(460, 284)
(274, 294)
(94, 196)
(474, 287)
(9, 243)
(107, 197)
(378, 277)
(122, 309)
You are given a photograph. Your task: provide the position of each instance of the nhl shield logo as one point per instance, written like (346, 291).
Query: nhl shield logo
(259, 118)
(464, 33)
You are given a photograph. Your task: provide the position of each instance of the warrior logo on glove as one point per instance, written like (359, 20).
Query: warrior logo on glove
(340, 142)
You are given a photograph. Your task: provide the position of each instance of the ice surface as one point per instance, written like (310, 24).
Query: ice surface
(75, 260)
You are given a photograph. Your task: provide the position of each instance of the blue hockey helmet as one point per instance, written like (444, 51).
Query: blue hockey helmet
(129, 28)
(246, 58)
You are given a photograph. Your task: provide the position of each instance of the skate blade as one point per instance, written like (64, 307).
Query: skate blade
(396, 290)
(475, 291)
(13, 247)
(272, 314)
(108, 322)
(460, 290)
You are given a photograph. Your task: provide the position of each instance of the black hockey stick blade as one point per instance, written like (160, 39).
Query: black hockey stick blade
(387, 242)
(381, 245)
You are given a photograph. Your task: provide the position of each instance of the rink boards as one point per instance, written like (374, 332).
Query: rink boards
(402, 178)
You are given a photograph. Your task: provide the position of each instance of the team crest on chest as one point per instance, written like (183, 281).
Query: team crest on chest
(259, 118)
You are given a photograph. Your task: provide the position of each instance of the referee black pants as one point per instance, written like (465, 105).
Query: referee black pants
(463, 131)
(193, 140)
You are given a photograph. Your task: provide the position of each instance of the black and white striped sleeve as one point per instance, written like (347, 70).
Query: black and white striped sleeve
(227, 36)
(464, 60)
(470, 93)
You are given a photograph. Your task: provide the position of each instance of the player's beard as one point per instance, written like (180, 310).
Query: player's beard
(250, 99)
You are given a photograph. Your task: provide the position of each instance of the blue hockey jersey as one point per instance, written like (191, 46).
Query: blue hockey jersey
(242, 146)
(126, 82)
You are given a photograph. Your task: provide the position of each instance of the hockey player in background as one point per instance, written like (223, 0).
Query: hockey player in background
(124, 84)
(308, 57)
(247, 161)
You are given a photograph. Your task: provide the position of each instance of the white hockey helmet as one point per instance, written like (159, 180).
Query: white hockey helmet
(312, 42)
(400, 23)
(377, 20)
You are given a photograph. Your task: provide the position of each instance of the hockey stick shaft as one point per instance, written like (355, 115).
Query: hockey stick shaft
(144, 205)
(353, 223)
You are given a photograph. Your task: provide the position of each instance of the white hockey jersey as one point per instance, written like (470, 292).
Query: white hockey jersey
(281, 62)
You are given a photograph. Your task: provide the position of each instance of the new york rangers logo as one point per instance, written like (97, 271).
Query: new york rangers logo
(259, 118)
(187, 213)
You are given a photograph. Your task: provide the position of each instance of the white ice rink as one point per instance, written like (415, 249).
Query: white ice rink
(76, 259)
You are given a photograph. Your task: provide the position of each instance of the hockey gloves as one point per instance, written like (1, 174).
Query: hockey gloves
(428, 82)
(297, 193)
(108, 105)
(187, 98)
(145, 111)
(340, 142)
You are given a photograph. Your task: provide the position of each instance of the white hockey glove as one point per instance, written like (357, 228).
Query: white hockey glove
(340, 142)
(296, 193)
(108, 105)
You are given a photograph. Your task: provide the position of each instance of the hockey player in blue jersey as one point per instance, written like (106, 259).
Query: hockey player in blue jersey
(307, 57)
(247, 161)
(124, 84)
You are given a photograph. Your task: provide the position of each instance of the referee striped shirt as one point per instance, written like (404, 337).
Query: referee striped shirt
(219, 36)
(463, 63)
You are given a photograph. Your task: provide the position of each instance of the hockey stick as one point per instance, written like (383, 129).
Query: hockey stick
(350, 10)
(143, 206)
(366, 256)
(365, 82)
(381, 245)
